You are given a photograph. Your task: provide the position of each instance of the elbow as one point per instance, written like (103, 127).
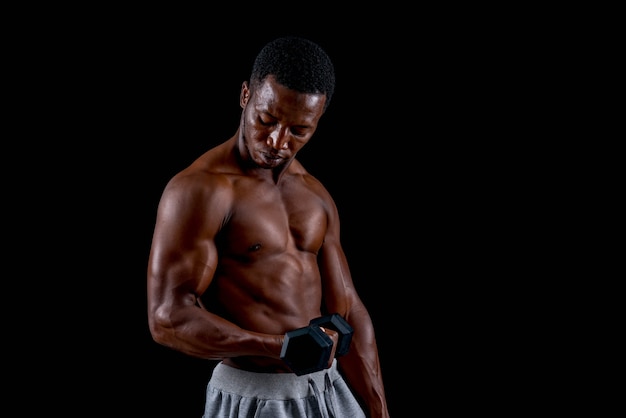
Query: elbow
(158, 333)
(161, 327)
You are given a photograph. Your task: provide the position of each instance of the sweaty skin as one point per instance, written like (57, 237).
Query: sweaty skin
(246, 247)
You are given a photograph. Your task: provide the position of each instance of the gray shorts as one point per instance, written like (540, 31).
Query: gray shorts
(235, 393)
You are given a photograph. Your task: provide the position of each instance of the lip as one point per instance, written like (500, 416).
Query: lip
(271, 157)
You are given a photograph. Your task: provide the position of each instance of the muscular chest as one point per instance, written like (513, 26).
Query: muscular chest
(277, 219)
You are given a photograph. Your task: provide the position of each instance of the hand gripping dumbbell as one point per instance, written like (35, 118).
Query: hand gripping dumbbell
(308, 349)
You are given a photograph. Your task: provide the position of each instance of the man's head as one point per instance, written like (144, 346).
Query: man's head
(296, 63)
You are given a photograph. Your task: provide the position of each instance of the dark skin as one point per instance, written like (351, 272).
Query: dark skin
(247, 247)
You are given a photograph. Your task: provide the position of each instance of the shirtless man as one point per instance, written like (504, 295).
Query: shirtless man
(246, 248)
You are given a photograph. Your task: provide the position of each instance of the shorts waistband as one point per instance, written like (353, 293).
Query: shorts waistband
(269, 385)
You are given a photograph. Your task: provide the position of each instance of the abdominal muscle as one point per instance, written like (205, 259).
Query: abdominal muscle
(270, 294)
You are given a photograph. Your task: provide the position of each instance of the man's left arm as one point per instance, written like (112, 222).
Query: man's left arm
(361, 365)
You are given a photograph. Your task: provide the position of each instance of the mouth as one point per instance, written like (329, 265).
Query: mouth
(271, 158)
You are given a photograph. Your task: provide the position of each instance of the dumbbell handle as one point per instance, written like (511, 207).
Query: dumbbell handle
(337, 323)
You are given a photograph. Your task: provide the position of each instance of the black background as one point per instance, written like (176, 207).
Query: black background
(411, 148)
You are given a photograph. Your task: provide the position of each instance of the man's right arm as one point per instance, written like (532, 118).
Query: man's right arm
(182, 261)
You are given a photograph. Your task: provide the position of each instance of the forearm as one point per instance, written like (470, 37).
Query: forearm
(361, 368)
(202, 334)
(365, 379)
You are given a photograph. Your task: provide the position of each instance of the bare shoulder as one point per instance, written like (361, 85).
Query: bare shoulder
(304, 179)
(208, 178)
(301, 174)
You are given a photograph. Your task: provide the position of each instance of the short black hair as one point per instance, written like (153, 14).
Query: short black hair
(298, 64)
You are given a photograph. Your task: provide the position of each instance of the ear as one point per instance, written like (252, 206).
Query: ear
(244, 95)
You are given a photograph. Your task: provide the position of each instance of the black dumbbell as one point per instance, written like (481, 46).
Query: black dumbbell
(336, 323)
(308, 349)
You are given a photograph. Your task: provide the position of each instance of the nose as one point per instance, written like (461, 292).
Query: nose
(277, 140)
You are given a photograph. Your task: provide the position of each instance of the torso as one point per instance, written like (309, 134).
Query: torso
(267, 277)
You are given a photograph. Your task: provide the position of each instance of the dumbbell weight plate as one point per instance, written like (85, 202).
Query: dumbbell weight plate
(306, 350)
(337, 323)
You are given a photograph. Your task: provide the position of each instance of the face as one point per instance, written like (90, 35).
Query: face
(276, 122)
